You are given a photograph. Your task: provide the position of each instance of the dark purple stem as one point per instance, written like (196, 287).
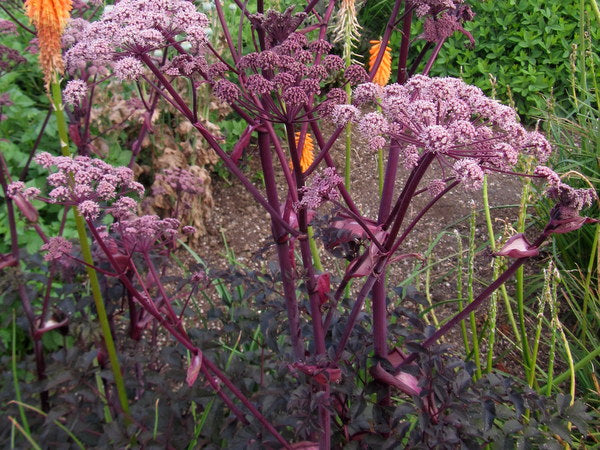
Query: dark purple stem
(182, 337)
(476, 303)
(225, 30)
(282, 241)
(315, 307)
(388, 182)
(418, 217)
(404, 45)
(434, 55)
(25, 301)
(183, 108)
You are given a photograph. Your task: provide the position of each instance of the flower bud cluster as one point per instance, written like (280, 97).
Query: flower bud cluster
(285, 77)
(565, 195)
(144, 233)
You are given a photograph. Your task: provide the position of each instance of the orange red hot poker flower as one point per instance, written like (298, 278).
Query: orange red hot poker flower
(382, 76)
(307, 155)
(49, 18)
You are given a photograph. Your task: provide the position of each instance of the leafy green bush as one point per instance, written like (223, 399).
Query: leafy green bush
(525, 44)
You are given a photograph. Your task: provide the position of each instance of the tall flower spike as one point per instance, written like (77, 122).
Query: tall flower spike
(307, 155)
(347, 29)
(49, 18)
(382, 76)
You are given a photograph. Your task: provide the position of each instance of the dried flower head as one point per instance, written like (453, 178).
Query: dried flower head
(181, 181)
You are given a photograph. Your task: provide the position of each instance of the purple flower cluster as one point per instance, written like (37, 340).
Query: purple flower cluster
(322, 187)
(132, 28)
(57, 248)
(7, 27)
(74, 92)
(17, 188)
(144, 233)
(285, 77)
(181, 180)
(86, 182)
(563, 194)
(469, 133)
(9, 59)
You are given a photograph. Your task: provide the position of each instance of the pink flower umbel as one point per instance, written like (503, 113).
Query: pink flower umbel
(469, 133)
(87, 183)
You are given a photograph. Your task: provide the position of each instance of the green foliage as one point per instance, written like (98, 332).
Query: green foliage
(525, 44)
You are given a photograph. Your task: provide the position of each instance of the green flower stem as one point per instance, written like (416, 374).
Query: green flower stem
(521, 284)
(314, 249)
(471, 280)
(87, 257)
(380, 170)
(459, 293)
(572, 369)
(493, 304)
(547, 390)
(595, 9)
(587, 291)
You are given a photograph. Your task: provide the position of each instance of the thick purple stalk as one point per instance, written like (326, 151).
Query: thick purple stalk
(255, 412)
(379, 292)
(405, 44)
(434, 55)
(325, 147)
(310, 280)
(389, 182)
(233, 168)
(476, 303)
(358, 304)
(418, 217)
(213, 383)
(379, 302)
(315, 307)
(283, 253)
(225, 30)
(399, 212)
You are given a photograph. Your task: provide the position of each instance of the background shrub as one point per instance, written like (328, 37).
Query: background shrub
(525, 44)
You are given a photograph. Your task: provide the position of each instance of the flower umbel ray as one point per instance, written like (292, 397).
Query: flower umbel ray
(382, 76)
(49, 18)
